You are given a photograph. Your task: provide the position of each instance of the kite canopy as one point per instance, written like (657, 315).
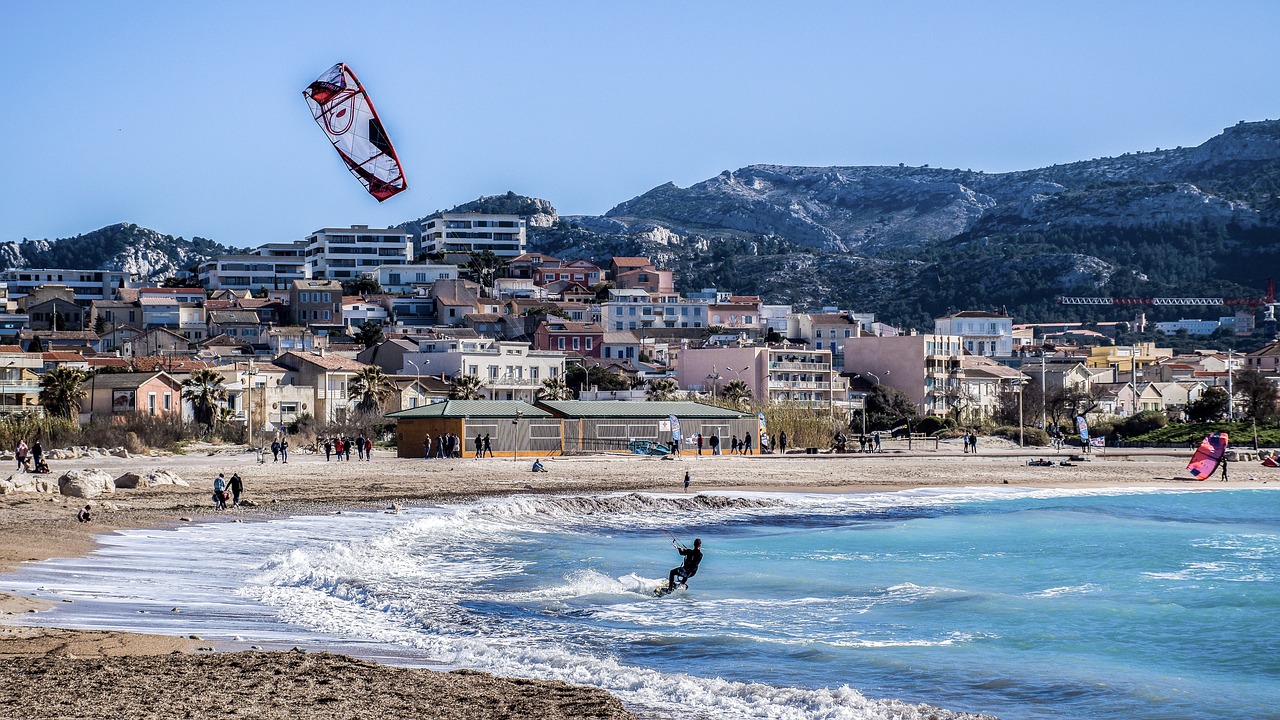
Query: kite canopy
(344, 112)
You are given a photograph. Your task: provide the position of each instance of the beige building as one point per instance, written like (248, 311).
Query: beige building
(774, 373)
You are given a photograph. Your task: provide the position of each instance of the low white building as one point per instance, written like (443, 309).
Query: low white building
(1193, 327)
(636, 309)
(508, 370)
(982, 333)
(87, 285)
(405, 279)
(252, 272)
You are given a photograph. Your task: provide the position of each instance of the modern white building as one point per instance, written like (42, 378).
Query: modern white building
(508, 370)
(503, 235)
(88, 285)
(404, 279)
(348, 253)
(981, 332)
(253, 271)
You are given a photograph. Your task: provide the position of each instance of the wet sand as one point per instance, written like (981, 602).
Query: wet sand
(67, 673)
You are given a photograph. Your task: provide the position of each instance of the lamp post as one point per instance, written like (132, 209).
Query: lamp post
(1017, 383)
(417, 374)
(1231, 395)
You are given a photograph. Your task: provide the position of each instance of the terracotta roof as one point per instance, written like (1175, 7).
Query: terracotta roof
(631, 261)
(122, 380)
(326, 362)
(11, 349)
(483, 317)
(129, 295)
(107, 362)
(169, 363)
(62, 356)
(219, 304)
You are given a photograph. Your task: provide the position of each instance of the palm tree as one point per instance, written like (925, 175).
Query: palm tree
(60, 391)
(370, 387)
(553, 388)
(205, 391)
(662, 389)
(737, 391)
(466, 387)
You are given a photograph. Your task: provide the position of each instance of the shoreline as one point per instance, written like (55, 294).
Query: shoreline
(35, 528)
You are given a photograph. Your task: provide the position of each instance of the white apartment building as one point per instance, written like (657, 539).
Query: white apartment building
(88, 285)
(635, 309)
(503, 235)
(404, 279)
(825, 331)
(982, 333)
(508, 370)
(348, 253)
(357, 311)
(1193, 327)
(253, 271)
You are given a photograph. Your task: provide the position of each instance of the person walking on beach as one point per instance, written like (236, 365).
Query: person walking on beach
(875, 437)
(237, 487)
(699, 436)
(746, 444)
(337, 447)
(973, 442)
(687, 480)
(692, 558)
(284, 451)
(219, 493)
(782, 442)
(479, 445)
(275, 451)
(21, 454)
(360, 448)
(328, 448)
(488, 447)
(368, 449)
(715, 444)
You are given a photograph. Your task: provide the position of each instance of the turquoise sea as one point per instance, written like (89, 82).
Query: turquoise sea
(1018, 603)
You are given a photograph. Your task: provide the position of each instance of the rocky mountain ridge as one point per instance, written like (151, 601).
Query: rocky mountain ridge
(144, 252)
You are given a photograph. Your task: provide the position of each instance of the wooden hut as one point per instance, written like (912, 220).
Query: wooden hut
(513, 427)
(612, 425)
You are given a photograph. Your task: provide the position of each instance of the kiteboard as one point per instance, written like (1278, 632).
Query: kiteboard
(664, 590)
(1208, 456)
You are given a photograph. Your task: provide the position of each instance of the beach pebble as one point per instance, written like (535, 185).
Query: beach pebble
(195, 637)
(67, 600)
(185, 519)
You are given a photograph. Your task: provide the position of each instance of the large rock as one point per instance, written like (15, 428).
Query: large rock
(27, 483)
(86, 483)
(150, 479)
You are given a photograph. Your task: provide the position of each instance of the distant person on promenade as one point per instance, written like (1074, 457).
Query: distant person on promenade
(746, 444)
(275, 451)
(488, 446)
(479, 446)
(715, 444)
(782, 442)
(360, 448)
(876, 438)
(328, 448)
(687, 481)
(368, 449)
(284, 451)
(699, 437)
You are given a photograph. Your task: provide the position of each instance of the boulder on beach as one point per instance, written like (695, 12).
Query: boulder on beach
(88, 483)
(150, 479)
(27, 483)
(119, 452)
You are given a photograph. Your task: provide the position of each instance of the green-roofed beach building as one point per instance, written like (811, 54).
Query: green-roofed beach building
(611, 425)
(512, 426)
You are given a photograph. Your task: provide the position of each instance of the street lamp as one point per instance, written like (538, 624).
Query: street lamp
(417, 374)
(1017, 384)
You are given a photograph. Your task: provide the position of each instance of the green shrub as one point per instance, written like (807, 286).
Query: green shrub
(1143, 422)
(1032, 436)
(929, 425)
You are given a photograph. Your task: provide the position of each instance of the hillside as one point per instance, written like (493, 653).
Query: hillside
(124, 246)
(912, 242)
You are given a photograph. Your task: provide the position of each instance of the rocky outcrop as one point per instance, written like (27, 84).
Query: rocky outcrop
(86, 483)
(27, 483)
(150, 479)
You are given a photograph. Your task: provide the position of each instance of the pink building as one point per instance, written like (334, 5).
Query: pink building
(774, 373)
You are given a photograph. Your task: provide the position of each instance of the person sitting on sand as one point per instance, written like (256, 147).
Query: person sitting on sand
(538, 466)
(692, 557)
(83, 515)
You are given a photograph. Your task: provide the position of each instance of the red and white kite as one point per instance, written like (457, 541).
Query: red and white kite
(343, 110)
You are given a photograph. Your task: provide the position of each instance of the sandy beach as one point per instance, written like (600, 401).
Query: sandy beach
(51, 672)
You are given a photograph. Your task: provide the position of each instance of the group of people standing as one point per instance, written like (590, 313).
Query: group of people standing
(224, 490)
(971, 442)
(445, 445)
(342, 446)
(30, 459)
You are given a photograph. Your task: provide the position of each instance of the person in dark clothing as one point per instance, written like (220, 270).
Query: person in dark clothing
(236, 486)
(782, 442)
(692, 557)
(479, 445)
(488, 448)
(715, 444)
(37, 454)
(83, 516)
(275, 451)
(328, 449)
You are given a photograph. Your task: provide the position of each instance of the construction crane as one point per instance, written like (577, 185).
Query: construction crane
(1268, 301)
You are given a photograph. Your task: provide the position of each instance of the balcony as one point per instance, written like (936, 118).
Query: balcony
(798, 385)
(809, 366)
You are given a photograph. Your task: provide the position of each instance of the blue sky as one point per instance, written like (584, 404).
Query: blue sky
(188, 118)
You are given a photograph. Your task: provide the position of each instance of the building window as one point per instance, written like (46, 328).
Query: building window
(589, 343)
(577, 343)
(151, 403)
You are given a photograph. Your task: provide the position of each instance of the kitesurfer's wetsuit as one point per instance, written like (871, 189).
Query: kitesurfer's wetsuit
(692, 556)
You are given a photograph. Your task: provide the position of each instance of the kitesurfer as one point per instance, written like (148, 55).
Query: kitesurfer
(692, 556)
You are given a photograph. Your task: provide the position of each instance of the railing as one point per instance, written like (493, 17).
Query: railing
(821, 367)
(799, 385)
